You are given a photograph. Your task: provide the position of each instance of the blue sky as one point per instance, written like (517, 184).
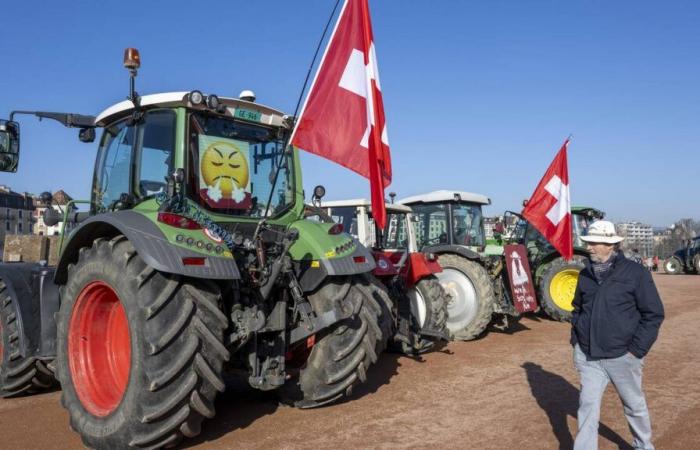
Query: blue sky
(479, 96)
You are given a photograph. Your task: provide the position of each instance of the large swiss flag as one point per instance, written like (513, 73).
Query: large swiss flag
(549, 208)
(343, 115)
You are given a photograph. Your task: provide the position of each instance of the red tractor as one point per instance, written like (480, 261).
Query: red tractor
(418, 301)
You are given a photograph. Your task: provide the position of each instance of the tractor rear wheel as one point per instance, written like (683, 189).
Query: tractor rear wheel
(140, 352)
(673, 266)
(471, 299)
(429, 307)
(19, 375)
(696, 263)
(558, 286)
(342, 353)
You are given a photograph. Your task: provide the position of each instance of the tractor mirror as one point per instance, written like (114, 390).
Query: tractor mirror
(87, 135)
(9, 146)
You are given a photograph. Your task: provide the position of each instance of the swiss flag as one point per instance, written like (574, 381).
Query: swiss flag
(549, 208)
(343, 116)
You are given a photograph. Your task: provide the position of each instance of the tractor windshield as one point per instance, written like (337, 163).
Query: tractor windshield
(347, 217)
(431, 228)
(396, 232)
(468, 225)
(232, 167)
(579, 225)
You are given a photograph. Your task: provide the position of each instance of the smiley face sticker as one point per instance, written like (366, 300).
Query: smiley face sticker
(224, 171)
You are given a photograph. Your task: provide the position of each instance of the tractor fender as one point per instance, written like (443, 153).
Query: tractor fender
(34, 299)
(456, 249)
(149, 242)
(311, 273)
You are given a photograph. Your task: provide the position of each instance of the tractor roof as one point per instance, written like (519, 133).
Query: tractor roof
(447, 196)
(391, 207)
(268, 116)
(594, 212)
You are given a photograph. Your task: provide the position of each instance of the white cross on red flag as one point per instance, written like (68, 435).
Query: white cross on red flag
(343, 116)
(549, 208)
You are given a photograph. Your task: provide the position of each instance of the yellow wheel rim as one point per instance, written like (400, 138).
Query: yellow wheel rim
(563, 287)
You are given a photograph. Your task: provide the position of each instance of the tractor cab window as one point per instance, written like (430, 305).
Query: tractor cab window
(113, 166)
(579, 226)
(431, 228)
(134, 159)
(396, 233)
(467, 225)
(156, 152)
(347, 217)
(232, 165)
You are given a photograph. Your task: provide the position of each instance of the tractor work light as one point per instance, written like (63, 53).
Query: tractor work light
(178, 221)
(213, 102)
(132, 59)
(196, 98)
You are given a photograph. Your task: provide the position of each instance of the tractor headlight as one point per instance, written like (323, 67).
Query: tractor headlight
(196, 98)
(213, 102)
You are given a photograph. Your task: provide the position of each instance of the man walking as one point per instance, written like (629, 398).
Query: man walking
(616, 319)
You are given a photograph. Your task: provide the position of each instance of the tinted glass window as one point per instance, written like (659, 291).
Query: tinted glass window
(112, 177)
(157, 151)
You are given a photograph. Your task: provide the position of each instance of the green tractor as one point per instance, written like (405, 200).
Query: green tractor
(194, 258)
(555, 278)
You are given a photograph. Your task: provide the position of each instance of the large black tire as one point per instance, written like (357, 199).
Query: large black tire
(558, 285)
(19, 374)
(471, 298)
(342, 353)
(696, 263)
(175, 332)
(429, 309)
(673, 266)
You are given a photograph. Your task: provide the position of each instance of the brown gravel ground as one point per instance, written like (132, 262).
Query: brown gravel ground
(516, 390)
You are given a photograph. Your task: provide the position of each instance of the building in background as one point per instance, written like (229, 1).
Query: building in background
(638, 236)
(16, 213)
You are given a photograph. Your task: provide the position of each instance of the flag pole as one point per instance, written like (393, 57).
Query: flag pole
(296, 109)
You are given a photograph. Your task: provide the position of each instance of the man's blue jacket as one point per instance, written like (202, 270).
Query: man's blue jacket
(623, 314)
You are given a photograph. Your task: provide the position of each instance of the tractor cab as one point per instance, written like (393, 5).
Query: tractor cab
(417, 297)
(223, 153)
(538, 247)
(449, 218)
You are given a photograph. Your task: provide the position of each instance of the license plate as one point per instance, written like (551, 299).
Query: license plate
(253, 116)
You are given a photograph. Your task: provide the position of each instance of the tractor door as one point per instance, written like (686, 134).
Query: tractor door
(133, 161)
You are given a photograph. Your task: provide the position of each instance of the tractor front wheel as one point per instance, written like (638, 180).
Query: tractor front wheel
(19, 375)
(558, 286)
(471, 299)
(140, 352)
(673, 266)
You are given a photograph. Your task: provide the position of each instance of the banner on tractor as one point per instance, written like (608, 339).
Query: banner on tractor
(343, 116)
(519, 275)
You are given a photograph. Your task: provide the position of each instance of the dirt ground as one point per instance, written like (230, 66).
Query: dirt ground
(516, 390)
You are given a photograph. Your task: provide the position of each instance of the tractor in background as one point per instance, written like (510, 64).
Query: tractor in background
(685, 260)
(418, 302)
(193, 258)
(450, 225)
(555, 278)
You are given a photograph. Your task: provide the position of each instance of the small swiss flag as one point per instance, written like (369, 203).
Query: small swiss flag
(549, 208)
(343, 116)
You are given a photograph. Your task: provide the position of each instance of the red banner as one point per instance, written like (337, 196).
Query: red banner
(521, 287)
